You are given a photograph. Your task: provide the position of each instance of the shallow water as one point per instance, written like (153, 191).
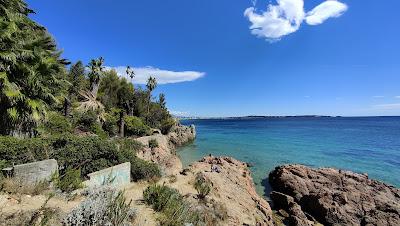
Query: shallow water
(366, 145)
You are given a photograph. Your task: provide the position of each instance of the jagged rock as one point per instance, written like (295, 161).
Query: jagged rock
(336, 197)
(164, 154)
(233, 186)
(296, 216)
(180, 135)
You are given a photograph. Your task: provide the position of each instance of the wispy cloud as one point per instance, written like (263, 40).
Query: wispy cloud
(378, 96)
(394, 106)
(162, 76)
(287, 15)
(397, 97)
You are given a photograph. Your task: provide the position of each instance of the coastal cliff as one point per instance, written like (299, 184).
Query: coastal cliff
(333, 197)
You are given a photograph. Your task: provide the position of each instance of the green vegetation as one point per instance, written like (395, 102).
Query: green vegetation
(202, 185)
(153, 144)
(136, 127)
(175, 210)
(70, 181)
(89, 153)
(37, 89)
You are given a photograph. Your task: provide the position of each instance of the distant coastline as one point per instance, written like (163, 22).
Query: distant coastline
(273, 117)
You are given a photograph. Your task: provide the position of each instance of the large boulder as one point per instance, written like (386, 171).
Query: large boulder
(336, 197)
(180, 135)
(232, 185)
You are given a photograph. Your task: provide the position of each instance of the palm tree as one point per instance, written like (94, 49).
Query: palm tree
(151, 85)
(130, 72)
(30, 70)
(96, 71)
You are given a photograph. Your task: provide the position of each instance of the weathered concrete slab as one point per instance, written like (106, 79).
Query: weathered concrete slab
(35, 171)
(118, 175)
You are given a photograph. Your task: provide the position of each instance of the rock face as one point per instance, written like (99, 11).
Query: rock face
(164, 154)
(180, 135)
(335, 197)
(233, 186)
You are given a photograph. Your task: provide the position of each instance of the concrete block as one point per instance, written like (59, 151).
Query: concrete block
(34, 172)
(120, 175)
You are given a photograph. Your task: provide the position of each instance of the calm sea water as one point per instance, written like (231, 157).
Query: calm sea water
(366, 145)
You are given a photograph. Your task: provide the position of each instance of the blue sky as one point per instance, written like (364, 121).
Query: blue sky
(285, 64)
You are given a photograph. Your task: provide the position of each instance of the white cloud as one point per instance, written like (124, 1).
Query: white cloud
(378, 96)
(325, 11)
(162, 76)
(395, 106)
(398, 97)
(287, 16)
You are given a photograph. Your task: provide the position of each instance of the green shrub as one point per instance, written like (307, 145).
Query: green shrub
(166, 125)
(129, 145)
(110, 124)
(141, 169)
(134, 126)
(89, 153)
(55, 124)
(175, 210)
(69, 181)
(202, 185)
(98, 130)
(84, 120)
(153, 144)
(19, 151)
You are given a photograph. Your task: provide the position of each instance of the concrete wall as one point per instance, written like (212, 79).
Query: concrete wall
(36, 171)
(121, 175)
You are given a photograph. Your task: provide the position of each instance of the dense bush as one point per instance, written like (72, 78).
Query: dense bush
(110, 124)
(84, 120)
(134, 126)
(175, 210)
(89, 153)
(69, 181)
(103, 206)
(18, 151)
(166, 125)
(55, 124)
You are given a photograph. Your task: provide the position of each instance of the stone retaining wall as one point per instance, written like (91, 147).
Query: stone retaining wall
(36, 171)
(118, 175)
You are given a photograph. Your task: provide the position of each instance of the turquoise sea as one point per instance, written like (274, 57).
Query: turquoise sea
(365, 145)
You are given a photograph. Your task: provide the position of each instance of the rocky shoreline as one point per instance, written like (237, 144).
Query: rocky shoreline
(300, 195)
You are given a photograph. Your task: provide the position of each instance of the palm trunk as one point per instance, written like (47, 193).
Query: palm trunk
(95, 89)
